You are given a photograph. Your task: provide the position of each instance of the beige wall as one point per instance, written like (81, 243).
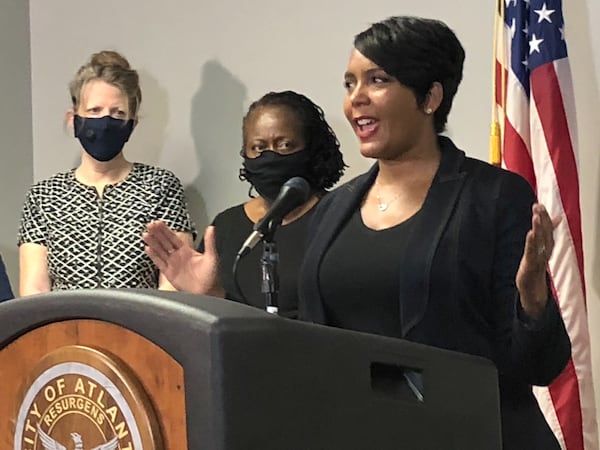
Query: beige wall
(203, 62)
(16, 153)
(584, 50)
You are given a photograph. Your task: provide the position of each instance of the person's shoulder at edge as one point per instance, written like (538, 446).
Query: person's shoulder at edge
(6, 292)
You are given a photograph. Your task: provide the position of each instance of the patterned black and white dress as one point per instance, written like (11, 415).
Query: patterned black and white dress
(95, 241)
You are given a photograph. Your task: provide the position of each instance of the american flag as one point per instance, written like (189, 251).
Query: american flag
(534, 118)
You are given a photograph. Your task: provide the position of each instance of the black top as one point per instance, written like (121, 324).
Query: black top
(232, 228)
(368, 299)
(457, 281)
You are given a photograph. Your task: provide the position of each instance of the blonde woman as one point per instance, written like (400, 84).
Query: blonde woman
(82, 228)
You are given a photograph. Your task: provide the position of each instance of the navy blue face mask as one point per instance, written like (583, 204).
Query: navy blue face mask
(102, 138)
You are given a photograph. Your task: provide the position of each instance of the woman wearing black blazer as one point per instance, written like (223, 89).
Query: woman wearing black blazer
(430, 245)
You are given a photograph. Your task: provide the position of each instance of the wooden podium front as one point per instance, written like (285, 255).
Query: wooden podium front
(133, 370)
(90, 343)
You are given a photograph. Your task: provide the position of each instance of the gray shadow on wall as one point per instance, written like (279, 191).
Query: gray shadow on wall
(147, 142)
(216, 116)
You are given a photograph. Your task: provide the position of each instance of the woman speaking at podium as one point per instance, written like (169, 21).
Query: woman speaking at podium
(430, 245)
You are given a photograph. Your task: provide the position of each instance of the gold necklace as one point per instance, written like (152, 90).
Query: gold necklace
(381, 205)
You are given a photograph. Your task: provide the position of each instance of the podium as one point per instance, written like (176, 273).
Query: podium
(145, 369)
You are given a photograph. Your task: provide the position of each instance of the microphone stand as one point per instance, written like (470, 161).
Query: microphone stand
(268, 263)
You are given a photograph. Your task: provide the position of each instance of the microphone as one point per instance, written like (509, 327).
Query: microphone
(292, 194)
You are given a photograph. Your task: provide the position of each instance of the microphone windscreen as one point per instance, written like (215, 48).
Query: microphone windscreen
(300, 185)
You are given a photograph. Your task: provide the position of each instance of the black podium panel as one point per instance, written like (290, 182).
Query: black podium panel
(257, 381)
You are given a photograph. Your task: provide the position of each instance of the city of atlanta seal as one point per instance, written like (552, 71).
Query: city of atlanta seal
(82, 398)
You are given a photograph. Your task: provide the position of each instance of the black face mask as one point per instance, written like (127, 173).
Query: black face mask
(270, 170)
(102, 138)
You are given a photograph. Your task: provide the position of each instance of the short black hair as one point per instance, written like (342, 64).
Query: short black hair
(417, 52)
(326, 160)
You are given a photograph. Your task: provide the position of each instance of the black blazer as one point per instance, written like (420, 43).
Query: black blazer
(457, 286)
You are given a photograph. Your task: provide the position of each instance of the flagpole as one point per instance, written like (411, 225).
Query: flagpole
(495, 130)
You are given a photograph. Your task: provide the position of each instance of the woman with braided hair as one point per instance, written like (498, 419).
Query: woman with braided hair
(284, 135)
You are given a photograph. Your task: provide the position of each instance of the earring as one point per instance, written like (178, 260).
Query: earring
(428, 111)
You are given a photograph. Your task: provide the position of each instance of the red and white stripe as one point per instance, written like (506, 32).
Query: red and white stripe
(538, 142)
